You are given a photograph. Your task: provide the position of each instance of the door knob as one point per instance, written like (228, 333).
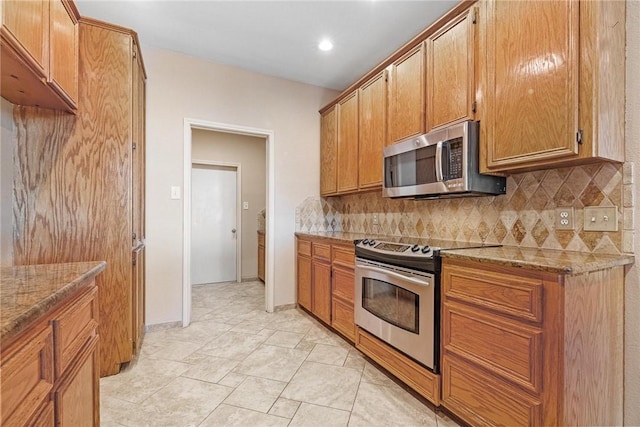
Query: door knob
(233, 230)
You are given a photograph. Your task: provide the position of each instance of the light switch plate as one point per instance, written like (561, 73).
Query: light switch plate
(245, 205)
(175, 192)
(601, 218)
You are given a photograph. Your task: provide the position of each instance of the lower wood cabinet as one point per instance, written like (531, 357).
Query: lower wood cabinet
(524, 347)
(325, 282)
(342, 290)
(313, 266)
(50, 372)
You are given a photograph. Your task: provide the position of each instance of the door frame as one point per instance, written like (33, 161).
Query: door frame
(238, 168)
(269, 136)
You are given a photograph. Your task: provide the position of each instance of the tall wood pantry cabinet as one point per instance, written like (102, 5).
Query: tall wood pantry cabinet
(79, 184)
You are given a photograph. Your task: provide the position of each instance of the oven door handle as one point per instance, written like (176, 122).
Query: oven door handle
(394, 274)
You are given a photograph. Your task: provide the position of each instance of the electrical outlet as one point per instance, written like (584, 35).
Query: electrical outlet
(375, 219)
(564, 219)
(245, 205)
(601, 218)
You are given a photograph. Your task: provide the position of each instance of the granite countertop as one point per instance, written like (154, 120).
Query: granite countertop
(554, 261)
(30, 291)
(335, 235)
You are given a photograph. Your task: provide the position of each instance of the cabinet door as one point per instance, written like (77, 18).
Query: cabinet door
(304, 281)
(138, 150)
(77, 398)
(63, 39)
(450, 72)
(328, 152)
(407, 95)
(348, 143)
(25, 26)
(373, 130)
(529, 109)
(321, 280)
(138, 298)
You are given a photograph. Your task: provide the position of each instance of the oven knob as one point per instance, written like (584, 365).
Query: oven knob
(365, 242)
(372, 242)
(426, 249)
(415, 248)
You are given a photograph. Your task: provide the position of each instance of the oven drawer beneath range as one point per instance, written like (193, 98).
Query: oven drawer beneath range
(419, 378)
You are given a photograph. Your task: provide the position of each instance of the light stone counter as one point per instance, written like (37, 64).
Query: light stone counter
(554, 261)
(564, 262)
(27, 292)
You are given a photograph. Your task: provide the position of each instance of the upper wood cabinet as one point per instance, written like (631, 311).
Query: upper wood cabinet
(328, 152)
(373, 130)
(347, 166)
(407, 95)
(548, 97)
(40, 53)
(451, 81)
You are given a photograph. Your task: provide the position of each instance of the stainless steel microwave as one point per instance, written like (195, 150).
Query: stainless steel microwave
(442, 163)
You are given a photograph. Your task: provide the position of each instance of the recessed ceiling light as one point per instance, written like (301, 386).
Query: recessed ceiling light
(325, 45)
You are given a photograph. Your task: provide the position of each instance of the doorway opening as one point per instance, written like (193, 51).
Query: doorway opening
(268, 138)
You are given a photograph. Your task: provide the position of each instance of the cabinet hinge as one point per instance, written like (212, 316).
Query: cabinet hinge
(474, 107)
(134, 145)
(474, 16)
(135, 54)
(579, 136)
(133, 236)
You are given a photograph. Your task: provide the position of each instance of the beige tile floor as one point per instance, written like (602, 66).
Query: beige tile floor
(237, 365)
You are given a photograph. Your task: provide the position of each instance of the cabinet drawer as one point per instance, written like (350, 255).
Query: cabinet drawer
(344, 256)
(517, 295)
(503, 347)
(27, 377)
(261, 239)
(419, 378)
(321, 251)
(342, 318)
(74, 327)
(480, 399)
(304, 247)
(343, 284)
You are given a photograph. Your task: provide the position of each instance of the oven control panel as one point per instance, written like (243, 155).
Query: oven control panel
(423, 251)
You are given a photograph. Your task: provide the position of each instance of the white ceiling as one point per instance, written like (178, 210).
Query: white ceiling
(277, 38)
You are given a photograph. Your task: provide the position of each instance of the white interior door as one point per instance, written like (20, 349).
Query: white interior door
(213, 224)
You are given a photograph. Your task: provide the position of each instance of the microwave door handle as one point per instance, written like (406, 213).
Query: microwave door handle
(439, 177)
(393, 274)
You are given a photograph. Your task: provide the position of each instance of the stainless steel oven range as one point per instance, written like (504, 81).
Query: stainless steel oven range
(397, 294)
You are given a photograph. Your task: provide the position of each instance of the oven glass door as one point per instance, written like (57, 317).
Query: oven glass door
(392, 303)
(397, 305)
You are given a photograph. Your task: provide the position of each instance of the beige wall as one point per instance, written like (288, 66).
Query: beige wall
(632, 300)
(182, 87)
(7, 145)
(250, 153)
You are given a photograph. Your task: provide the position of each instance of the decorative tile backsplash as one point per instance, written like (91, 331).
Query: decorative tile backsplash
(525, 216)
